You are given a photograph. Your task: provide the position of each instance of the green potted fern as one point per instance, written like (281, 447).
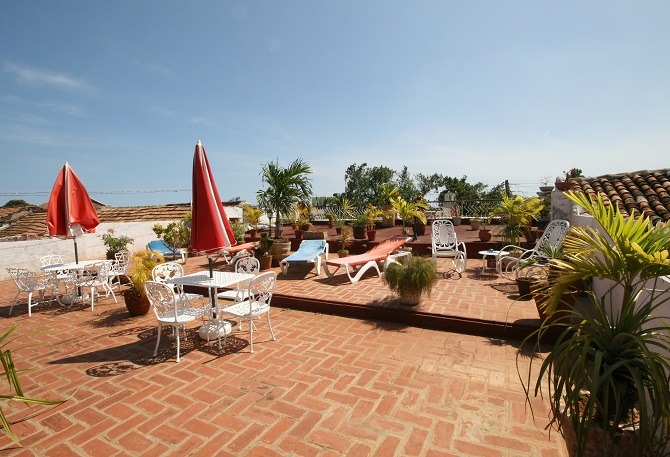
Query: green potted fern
(411, 278)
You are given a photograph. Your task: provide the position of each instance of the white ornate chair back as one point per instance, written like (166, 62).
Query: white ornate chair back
(443, 237)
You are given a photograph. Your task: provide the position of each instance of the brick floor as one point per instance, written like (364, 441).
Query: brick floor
(329, 385)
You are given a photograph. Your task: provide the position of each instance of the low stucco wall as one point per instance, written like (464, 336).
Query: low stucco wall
(26, 254)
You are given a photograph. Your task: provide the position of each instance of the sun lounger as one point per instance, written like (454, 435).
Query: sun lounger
(232, 253)
(309, 251)
(384, 253)
(163, 249)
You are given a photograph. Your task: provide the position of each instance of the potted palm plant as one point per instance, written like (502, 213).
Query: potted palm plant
(360, 226)
(284, 187)
(411, 278)
(371, 214)
(606, 371)
(345, 241)
(516, 213)
(263, 252)
(252, 216)
(139, 272)
(387, 191)
(408, 211)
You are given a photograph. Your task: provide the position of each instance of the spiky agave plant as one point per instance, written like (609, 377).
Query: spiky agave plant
(617, 348)
(11, 373)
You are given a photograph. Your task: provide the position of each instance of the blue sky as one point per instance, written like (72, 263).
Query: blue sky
(517, 90)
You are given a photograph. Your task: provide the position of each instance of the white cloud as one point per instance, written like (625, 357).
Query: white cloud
(41, 77)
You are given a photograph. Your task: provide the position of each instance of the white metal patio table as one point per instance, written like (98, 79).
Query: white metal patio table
(59, 270)
(215, 327)
(490, 252)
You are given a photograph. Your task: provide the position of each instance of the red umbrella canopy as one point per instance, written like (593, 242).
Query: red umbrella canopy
(70, 211)
(210, 229)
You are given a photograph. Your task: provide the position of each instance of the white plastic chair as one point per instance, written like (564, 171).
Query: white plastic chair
(509, 267)
(168, 270)
(444, 244)
(260, 292)
(249, 265)
(169, 311)
(27, 282)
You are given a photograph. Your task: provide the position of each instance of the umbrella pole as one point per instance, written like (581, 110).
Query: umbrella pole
(76, 260)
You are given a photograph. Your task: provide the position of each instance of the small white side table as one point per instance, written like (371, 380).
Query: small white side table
(487, 253)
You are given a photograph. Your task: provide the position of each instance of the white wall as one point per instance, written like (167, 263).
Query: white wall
(26, 254)
(576, 217)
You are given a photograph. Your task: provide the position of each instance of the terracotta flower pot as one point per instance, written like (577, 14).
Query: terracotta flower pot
(372, 235)
(485, 234)
(137, 303)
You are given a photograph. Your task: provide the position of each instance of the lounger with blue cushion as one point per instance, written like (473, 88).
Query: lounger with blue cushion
(163, 249)
(309, 251)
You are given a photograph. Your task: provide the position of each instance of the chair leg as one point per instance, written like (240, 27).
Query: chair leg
(30, 302)
(251, 335)
(158, 338)
(270, 327)
(178, 341)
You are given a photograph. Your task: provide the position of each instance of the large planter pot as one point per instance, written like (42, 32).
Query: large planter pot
(137, 303)
(265, 262)
(411, 299)
(372, 235)
(280, 250)
(475, 225)
(456, 220)
(387, 220)
(525, 286)
(419, 228)
(360, 233)
(485, 234)
(565, 305)
(253, 234)
(298, 234)
(623, 445)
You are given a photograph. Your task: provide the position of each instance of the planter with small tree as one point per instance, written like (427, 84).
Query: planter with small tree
(139, 271)
(252, 216)
(345, 241)
(115, 244)
(263, 252)
(359, 226)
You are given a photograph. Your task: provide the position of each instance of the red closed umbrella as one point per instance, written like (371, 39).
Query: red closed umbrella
(70, 212)
(210, 229)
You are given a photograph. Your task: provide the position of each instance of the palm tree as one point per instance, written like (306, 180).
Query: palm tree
(285, 185)
(408, 210)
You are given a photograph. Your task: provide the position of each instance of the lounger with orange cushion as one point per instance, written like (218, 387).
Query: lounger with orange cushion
(232, 253)
(384, 253)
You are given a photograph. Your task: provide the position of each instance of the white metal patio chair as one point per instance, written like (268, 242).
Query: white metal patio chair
(118, 268)
(168, 270)
(169, 311)
(27, 282)
(260, 292)
(93, 277)
(249, 265)
(444, 244)
(510, 267)
(55, 278)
